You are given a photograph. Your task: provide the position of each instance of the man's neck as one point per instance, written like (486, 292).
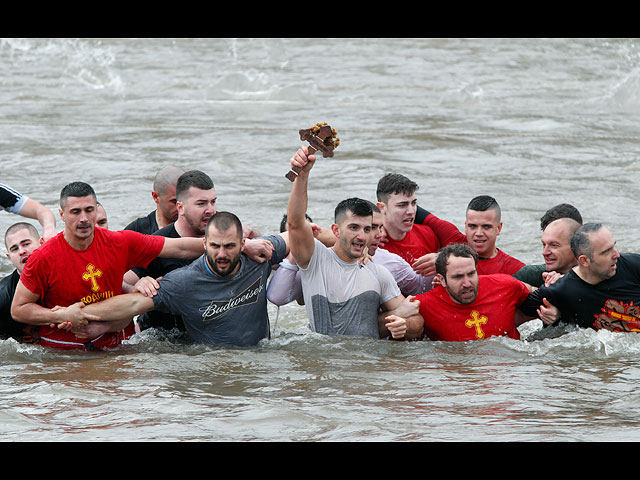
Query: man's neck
(586, 276)
(161, 220)
(78, 243)
(492, 255)
(342, 255)
(395, 234)
(184, 230)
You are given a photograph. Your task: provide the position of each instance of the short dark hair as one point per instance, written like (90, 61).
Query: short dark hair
(482, 203)
(580, 241)
(76, 189)
(457, 250)
(357, 206)
(562, 210)
(393, 184)
(192, 178)
(223, 221)
(374, 207)
(16, 227)
(283, 222)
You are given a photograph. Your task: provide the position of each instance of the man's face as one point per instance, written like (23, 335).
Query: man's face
(353, 234)
(197, 207)
(461, 279)
(101, 217)
(482, 230)
(377, 232)
(399, 212)
(605, 255)
(79, 216)
(223, 250)
(556, 248)
(21, 244)
(166, 202)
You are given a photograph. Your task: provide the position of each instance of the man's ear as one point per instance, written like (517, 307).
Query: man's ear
(335, 230)
(584, 261)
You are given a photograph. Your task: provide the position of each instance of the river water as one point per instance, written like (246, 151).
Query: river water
(533, 122)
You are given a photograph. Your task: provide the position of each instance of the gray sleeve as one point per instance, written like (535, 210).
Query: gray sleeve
(171, 292)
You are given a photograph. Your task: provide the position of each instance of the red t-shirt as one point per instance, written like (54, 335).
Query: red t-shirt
(492, 313)
(62, 275)
(501, 263)
(418, 241)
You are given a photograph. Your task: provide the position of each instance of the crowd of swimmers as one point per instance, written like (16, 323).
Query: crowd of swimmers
(388, 269)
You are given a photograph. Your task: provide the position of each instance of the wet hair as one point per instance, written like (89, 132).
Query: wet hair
(357, 206)
(393, 184)
(374, 207)
(223, 221)
(192, 178)
(562, 210)
(16, 227)
(165, 177)
(76, 189)
(457, 250)
(580, 241)
(283, 223)
(482, 203)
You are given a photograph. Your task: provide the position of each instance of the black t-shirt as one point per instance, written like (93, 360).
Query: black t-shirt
(8, 326)
(159, 267)
(146, 225)
(612, 303)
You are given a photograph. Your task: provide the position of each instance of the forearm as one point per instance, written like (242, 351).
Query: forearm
(35, 314)
(120, 307)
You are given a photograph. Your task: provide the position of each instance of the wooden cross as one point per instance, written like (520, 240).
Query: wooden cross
(316, 142)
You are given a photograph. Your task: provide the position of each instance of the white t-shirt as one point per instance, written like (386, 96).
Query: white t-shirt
(344, 298)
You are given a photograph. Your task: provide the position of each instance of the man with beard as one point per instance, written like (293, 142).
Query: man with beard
(602, 291)
(342, 296)
(466, 306)
(221, 296)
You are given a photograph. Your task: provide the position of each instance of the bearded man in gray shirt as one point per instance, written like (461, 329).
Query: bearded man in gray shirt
(221, 296)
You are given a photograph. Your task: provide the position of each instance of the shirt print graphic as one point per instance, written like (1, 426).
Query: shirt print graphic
(91, 275)
(217, 308)
(618, 317)
(476, 321)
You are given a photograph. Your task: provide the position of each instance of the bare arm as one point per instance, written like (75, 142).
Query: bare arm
(301, 238)
(45, 217)
(25, 309)
(184, 247)
(121, 307)
(401, 318)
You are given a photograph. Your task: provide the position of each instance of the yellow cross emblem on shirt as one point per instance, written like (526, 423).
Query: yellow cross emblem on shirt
(476, 321)
(90, 275)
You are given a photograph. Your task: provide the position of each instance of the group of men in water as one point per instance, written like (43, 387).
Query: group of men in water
(385, 270)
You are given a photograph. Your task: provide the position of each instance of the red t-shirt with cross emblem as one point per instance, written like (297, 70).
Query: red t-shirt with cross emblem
(492, 313)
(62, 275)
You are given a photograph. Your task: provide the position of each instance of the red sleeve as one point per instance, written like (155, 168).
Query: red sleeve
(446, 232)
(142, 248)
(32, 275)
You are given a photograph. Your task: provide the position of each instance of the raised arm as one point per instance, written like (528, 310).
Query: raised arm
(301, 238)
(45, 217)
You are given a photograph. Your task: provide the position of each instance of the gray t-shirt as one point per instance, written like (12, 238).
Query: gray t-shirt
(230, 310)
(344, 298)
